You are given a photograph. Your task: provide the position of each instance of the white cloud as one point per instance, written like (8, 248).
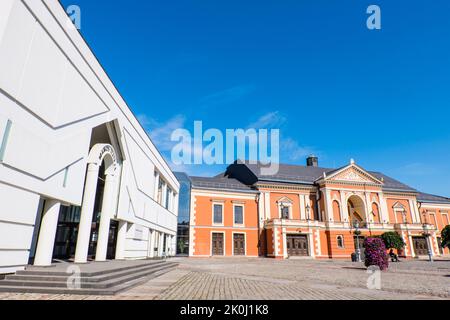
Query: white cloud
(271, 120)
(160, 132)
(290, 149)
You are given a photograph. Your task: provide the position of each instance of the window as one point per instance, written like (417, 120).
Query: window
(238, 215)
(218, 214)
(285, 212)
(340, 242)
(168, 195)
(160, 191)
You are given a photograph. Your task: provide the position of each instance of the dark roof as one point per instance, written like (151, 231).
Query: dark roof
(425, 197)
(220, 182)
(308, 175)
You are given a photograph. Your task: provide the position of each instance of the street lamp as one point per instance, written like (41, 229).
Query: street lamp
(357, 233)
(427, 235)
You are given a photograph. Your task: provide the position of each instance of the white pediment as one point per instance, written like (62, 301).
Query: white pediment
(285, 200)
(353, 173)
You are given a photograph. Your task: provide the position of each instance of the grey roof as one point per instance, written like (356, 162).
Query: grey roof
(425, 197)
(220, 182)
(308, 175)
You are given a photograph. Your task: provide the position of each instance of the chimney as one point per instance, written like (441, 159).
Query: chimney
(312, 161)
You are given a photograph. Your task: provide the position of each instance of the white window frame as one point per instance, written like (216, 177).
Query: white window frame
(234, 214)
(222, 204)
(232, 243)
(287, 205)
(224, 247)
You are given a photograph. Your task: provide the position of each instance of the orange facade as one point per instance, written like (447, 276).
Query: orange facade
(283, 220)
(229, 234)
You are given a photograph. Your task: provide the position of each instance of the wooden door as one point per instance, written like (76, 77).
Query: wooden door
(217, 244)
(239, 244)
(297, 245)
(420, 246)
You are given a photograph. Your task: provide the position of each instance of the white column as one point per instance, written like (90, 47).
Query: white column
(328, 206)
(384, 209)
(412, 211)
(44, 251)
(121, 239)
(302, 206)
(161, 244)
(261, 210)
(105, 218)
(368, 207)
(168, 238)
(87, 210)
(267, 205)
(344, 208)
(283, 235)
(275, 241)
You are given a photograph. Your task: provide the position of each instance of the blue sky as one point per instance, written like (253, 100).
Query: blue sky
(310, 68)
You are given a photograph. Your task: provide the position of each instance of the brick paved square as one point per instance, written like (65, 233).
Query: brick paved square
(268, 279)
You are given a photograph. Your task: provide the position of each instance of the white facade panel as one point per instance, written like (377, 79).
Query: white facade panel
(17, 205)
(9, 239)
(18, 34)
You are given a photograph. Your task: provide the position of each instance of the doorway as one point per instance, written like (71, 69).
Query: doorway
(239, 244)
(297, 245)
(217, 244)
(420, 246)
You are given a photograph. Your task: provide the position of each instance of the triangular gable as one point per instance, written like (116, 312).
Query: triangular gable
(285, 200)
(398, 206)
(351, 173)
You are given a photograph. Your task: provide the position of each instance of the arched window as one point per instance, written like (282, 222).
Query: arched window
(376, 213)
(340, 242)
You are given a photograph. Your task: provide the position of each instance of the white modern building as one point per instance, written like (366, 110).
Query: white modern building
(79, 177)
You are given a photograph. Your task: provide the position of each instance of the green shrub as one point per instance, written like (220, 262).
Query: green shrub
(392, 240)
(445, 234)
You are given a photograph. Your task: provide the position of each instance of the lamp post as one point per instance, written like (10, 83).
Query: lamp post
(357, 233)
(427, 235)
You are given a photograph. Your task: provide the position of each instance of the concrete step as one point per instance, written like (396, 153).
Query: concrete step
(49, 272)
(107, 287)
(85, 283)
(45, 276)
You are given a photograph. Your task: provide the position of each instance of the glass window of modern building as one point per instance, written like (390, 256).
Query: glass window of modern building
(183, 213)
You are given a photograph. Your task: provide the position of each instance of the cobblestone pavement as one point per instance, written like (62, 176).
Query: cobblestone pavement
(247, 279)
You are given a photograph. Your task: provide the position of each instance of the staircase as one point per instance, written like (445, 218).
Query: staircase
(102, 278)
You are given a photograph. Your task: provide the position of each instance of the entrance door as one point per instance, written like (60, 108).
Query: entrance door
(66, 233)
(217, 244)
(297, 245)
(112, 240)
(420, 246)
(239, 244)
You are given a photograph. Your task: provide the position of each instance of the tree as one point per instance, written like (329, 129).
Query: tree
(392, 240)
(375, 253)
(445, 234)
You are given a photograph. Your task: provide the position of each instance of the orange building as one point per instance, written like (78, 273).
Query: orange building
(309, 211)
